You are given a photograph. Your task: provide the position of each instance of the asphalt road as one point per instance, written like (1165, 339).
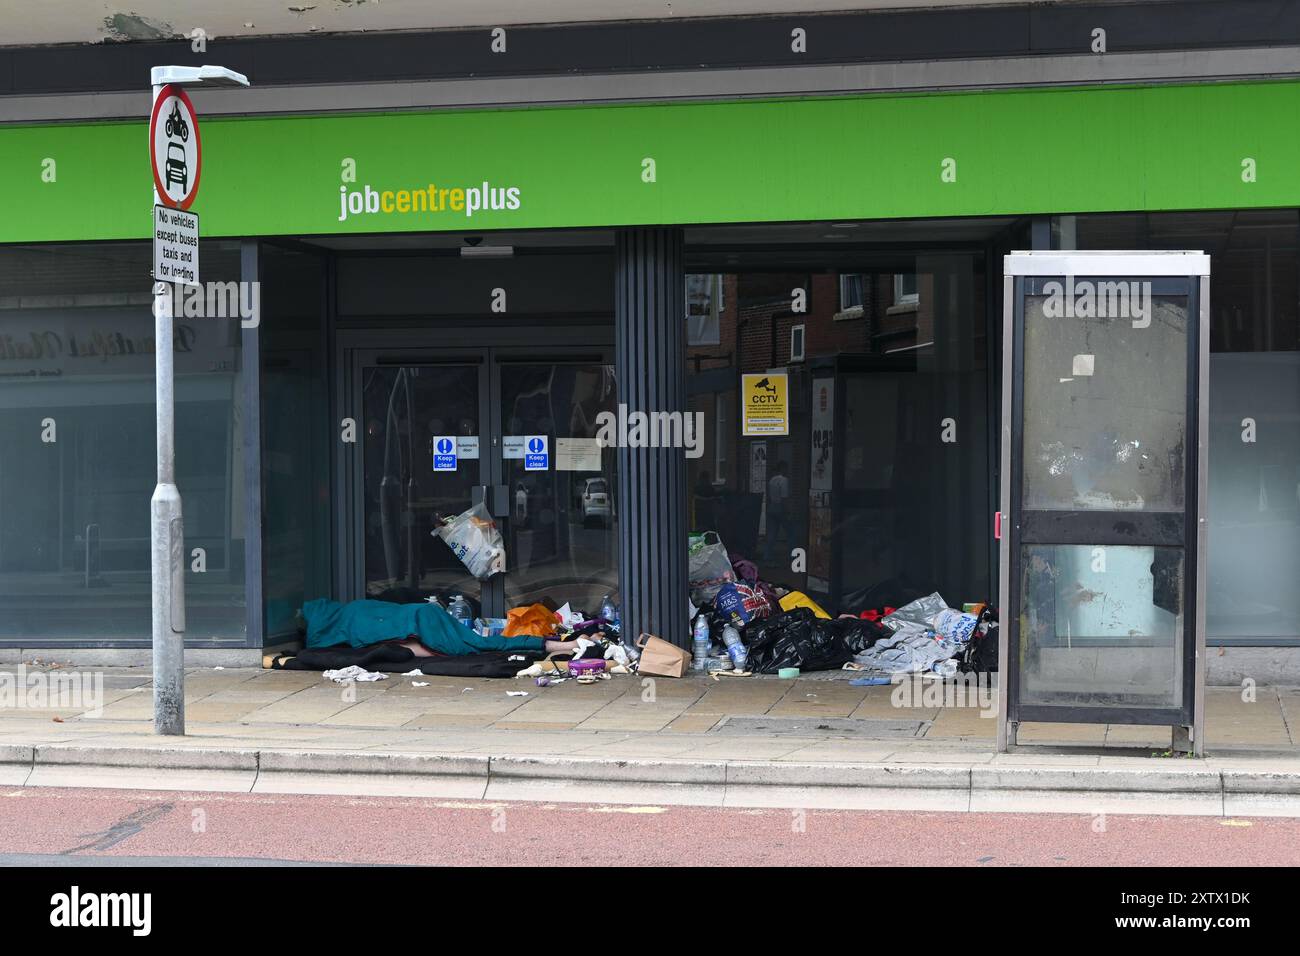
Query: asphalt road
(110, 827)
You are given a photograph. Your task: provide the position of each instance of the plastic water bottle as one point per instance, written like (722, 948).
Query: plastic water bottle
(735, 647)
(459, 609)
(700, 635)
(609, 611)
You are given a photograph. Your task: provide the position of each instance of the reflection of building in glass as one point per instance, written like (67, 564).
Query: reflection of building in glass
(871, 357)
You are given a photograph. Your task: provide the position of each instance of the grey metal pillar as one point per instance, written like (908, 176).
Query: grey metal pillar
(166, 541)
(650, 362)
(166, 528)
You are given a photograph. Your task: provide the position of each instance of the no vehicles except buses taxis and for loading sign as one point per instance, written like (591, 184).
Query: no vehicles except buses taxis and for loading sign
(175, 246)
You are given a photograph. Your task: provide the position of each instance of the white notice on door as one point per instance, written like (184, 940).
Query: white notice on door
(467, 446)
(577, 454)
(512, 446)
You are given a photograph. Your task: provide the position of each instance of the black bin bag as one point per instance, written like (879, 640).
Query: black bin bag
(796, 638)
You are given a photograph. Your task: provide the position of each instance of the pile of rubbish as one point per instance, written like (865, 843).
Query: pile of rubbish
(742, 624)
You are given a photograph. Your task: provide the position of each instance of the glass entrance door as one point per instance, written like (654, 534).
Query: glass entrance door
(562, 537)
(519, 431)
(422, 428)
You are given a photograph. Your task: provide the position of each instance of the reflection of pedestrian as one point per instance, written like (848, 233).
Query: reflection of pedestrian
(778, 511)
(521, 503)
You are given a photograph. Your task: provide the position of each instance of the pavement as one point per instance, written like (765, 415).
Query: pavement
(732, 742)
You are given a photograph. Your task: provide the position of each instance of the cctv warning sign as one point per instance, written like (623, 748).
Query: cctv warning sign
(765, 404)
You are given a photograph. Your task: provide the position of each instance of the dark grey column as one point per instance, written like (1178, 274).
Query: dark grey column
(650, 362)
(250, 263)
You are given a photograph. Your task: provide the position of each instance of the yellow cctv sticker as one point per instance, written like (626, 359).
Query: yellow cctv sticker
(766, 408)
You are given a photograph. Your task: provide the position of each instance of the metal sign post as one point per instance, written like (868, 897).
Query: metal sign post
(176, 159)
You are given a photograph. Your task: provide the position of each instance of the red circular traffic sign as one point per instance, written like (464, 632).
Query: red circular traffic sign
(174, 149)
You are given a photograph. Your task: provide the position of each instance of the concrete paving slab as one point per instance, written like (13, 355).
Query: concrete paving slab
(1021, 759)
(692, 723)
(298, 710)
(204, 712)
(960, 722)
(742, 748)
(448, 721)
(773, 724)
(1056, 734)
(912, 752)
(850, 751)
(647, 747)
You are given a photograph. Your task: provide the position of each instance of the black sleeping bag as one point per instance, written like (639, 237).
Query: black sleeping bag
(393, 658)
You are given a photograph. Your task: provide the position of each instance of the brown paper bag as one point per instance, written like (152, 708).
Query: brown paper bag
(661, 658)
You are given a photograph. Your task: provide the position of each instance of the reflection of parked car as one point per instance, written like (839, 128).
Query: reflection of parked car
(595, 501)
(177, 170)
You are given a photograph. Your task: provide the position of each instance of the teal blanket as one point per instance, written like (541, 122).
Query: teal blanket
(362, 623)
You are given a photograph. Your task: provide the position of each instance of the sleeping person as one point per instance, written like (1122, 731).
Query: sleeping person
(425, 628)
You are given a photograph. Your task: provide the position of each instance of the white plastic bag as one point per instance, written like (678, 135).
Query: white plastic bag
(708, 566)
(475, 539)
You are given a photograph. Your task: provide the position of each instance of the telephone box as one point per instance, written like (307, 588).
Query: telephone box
(1102, 519)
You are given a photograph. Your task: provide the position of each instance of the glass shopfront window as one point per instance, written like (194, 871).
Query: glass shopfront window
(877, 488)
(295, 436)
(1254, 394)
(77, 426)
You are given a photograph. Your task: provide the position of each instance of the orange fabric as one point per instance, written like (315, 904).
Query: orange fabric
(536, 620)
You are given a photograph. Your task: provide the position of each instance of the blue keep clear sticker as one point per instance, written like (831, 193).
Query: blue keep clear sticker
(444, 453)
(536, 455)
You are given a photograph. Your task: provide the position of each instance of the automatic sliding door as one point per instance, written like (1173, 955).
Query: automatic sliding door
(420, 441)
(562, 529)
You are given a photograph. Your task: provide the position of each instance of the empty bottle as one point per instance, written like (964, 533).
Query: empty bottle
(700, 635)
(735, 647)
(609, 611)
(459, 609)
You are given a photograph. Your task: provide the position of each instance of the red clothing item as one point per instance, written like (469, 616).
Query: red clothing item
(875, 614)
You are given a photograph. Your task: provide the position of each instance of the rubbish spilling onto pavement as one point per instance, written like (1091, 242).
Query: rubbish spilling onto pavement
(739, 624)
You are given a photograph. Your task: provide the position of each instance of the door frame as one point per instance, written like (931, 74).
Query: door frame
(441, 342)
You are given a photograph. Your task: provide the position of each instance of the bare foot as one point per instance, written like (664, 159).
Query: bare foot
(561, 647)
